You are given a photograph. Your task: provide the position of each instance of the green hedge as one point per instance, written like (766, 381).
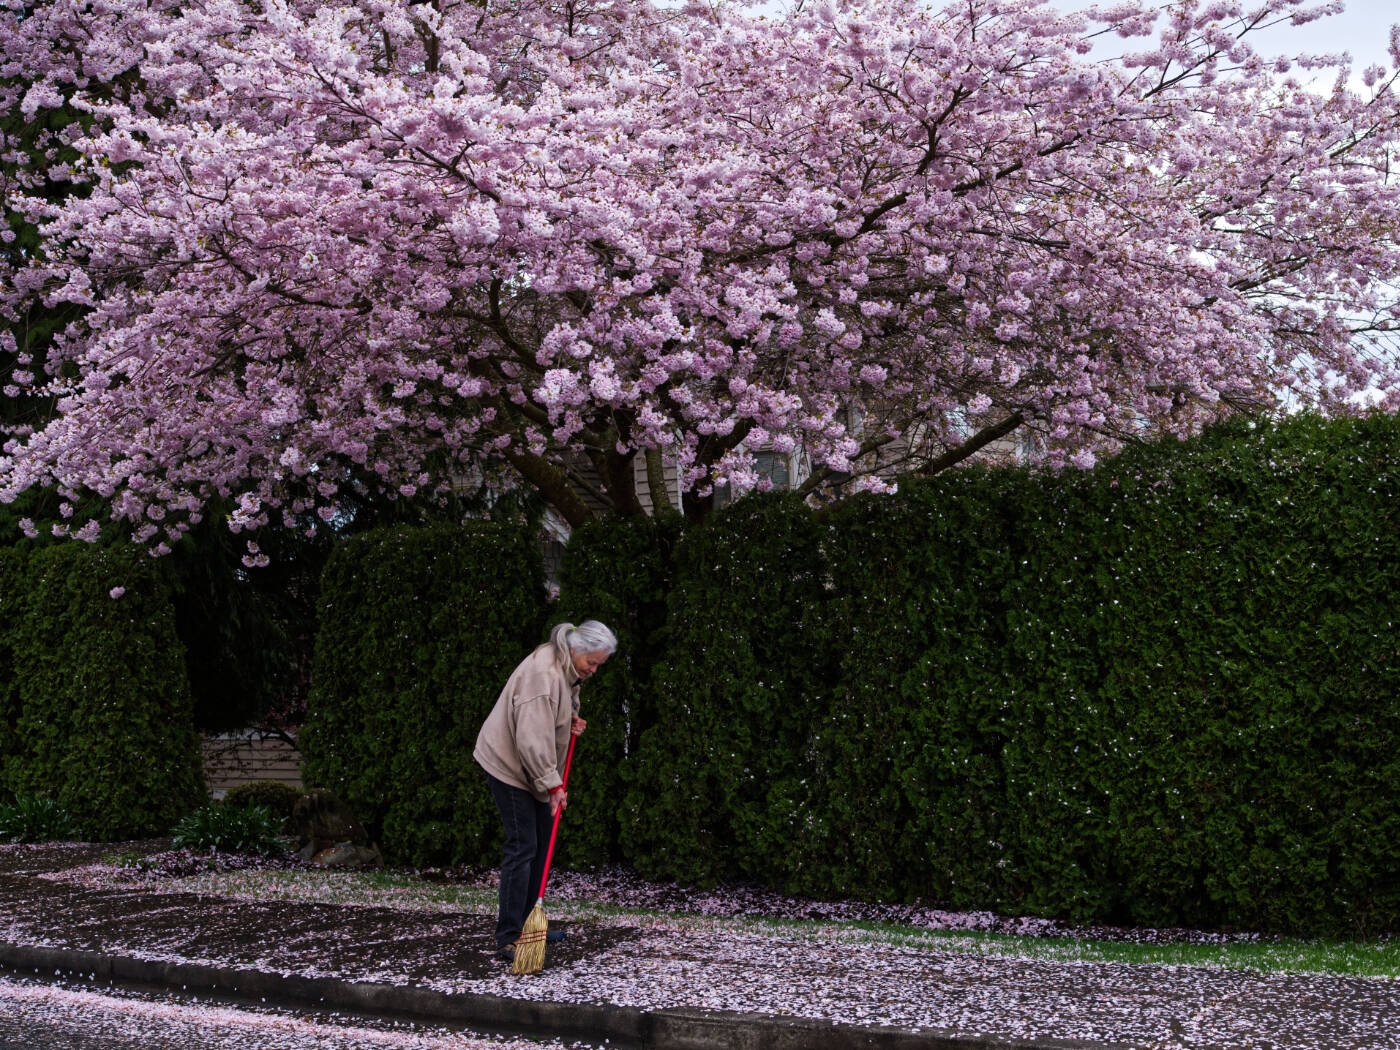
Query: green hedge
(11, 592)
(98, 710)
(616, 570)
(1161, 692)
(419, 630)
(911, 804)
(1221, 727)
(721, 784)
(1062, 778)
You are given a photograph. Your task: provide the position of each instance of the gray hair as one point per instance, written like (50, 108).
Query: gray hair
(588, 637)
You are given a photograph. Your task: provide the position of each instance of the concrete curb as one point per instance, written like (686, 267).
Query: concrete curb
(674, 1029)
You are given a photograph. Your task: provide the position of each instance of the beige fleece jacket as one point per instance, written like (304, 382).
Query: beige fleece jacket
(525, 738)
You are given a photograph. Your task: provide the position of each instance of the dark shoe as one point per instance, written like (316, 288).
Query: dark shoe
(551, 936)
(506, 954)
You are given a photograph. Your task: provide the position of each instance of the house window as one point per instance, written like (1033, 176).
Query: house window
(772, 465)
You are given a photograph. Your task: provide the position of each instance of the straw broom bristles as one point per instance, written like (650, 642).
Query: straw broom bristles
(529, 949)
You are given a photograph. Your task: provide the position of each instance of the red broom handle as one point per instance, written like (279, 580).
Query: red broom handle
(549, 856)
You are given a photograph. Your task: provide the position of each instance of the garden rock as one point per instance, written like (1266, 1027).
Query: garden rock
(348, 855)
(321, 821)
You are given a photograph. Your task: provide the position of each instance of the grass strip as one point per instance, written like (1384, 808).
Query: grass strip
(1370, 958)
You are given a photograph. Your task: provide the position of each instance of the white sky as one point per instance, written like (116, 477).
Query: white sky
(1363, 29)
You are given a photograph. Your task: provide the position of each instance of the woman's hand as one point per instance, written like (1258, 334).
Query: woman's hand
(557, 801)
(578, 726)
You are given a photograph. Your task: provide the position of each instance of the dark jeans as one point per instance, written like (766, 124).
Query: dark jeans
(527, 825)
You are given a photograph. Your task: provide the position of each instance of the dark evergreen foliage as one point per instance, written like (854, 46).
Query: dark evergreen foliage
(1210, 658)
(419, 629)
(911, 798)
(248, 633)
(98, 707)
(616, 570)
(1162, 692)
(721, 783)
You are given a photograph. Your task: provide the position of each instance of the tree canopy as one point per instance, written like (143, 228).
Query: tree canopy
(393, 242)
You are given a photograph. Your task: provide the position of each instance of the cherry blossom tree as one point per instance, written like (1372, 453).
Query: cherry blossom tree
(394, 242)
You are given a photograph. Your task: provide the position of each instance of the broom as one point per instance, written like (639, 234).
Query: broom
(529, 949)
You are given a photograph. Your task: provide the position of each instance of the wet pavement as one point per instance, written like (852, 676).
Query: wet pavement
(675, 982)
(76, 1015)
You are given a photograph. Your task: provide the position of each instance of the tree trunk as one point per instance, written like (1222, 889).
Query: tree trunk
(552, 484)
(661, 505)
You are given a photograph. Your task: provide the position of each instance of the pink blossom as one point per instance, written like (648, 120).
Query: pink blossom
(320, 242)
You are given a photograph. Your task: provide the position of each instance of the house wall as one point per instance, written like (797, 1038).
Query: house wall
(231, 759)
(673, 484)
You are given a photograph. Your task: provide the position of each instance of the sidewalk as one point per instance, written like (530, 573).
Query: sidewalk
(676, 984)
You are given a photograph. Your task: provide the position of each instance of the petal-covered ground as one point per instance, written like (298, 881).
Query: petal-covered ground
(709, 955)
(51, 1015)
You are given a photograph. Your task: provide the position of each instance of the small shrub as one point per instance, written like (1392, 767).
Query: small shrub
(35, 819)
(273, 795)
(228, 829)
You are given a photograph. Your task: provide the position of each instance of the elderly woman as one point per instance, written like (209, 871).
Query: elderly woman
(522, 746)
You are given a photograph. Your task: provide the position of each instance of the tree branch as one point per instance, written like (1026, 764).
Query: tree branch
(972, 445)
(552, 484)
(819, 476)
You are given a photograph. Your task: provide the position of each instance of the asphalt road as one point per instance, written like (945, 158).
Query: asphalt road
(72, 1015)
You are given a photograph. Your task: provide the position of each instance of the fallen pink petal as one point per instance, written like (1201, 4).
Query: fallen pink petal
(653, 947)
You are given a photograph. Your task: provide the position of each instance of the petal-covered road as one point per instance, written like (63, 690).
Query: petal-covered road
(690, 961)
(41, 1016)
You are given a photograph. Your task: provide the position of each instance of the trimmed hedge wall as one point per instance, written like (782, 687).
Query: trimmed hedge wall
(1162, 692)
(1222, 729)
(420, 628)
(721, 782)
(617, 570)
(12, 591)
(911, 800)
(97, 711)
